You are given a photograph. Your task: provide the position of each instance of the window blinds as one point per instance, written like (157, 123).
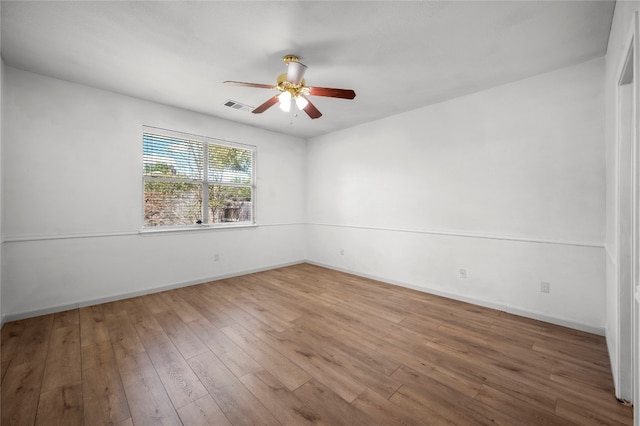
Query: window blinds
(172, 157)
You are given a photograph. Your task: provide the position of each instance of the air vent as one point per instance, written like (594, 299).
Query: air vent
(237, 105)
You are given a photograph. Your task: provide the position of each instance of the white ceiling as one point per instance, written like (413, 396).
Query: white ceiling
(397, 56)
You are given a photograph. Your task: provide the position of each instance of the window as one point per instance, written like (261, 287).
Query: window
(194, 181)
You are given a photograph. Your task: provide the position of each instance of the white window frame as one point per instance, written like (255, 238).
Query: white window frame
(204, 182)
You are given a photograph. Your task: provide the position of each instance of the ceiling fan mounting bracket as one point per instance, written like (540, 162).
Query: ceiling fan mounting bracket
(290, 58)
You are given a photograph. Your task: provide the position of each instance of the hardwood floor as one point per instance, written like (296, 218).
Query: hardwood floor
(301, 345)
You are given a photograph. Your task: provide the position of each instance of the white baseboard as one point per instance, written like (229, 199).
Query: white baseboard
(121, 296)
(488, 304)
(498, 306)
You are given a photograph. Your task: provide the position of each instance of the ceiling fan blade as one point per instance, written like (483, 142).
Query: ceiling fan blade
(332, 93)
(265, 106)
(295, 72)
(311, 110)
(259, 86)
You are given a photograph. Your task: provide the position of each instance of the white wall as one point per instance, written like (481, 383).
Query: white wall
(616, 50)
(73, 199)
(507, 183)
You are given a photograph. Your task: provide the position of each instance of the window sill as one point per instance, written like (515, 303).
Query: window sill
(194, 228)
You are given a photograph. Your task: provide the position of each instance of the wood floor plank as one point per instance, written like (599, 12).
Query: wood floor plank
(424, 376)
(93, 328)
(594, 400)
(410, 400)
(222, 313)
(322, 367)
(268, 293)
(211, 308)
(103, 393)
(271, 360)
(523, 324)
(364, 308)
(355, 345)
(21, 393)
(203, 411)
(181, 307)
(302, 345)
(465, 388)
(516, 409)
(484, 362)
(579, 375)
(236, 402)
(377, 357)
(236, 360)
(61, 406)
(279, 400)
(262, 314)
(421, 324)
(333, 409)
(63, 365)
(180, 382)
(122, 334)
(382, 411)
(568, 351)
(360, 369)
(543, 399)
(587, 416)
(382, 352)
(22, 382)
(9, 340)
(446, 403)
(448, 362)
(66, 318)
(34, 344)
(591, 341)
(148, 401)
(156, 303)
(512, 335)
(180, 334)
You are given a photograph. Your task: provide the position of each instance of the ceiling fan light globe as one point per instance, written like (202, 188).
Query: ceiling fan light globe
(284, 97)
(285, 101)
(301, 102)
(286, 107)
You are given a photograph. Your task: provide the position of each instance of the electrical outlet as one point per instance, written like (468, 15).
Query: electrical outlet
(545, 287)
(216, 257)
(462, 273)
(341, 252)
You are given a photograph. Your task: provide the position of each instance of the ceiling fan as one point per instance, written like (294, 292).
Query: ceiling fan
(292, 88)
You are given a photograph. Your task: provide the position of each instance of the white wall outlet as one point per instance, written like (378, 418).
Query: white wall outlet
(216, 257)
(341, 252)
(545, 287)
(462, 273)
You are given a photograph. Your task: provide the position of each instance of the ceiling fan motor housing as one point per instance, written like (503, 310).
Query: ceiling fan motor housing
(284, 85)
